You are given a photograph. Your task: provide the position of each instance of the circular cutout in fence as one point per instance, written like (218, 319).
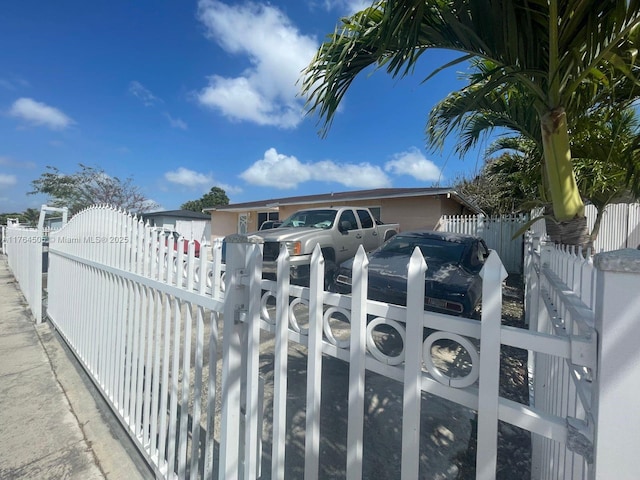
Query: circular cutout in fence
(266, 305)
(196, 274)
(302, 307)
(386, 340)
(339, 334)
(452, 359)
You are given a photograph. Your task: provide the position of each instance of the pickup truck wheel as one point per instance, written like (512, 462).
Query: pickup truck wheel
(330, 272)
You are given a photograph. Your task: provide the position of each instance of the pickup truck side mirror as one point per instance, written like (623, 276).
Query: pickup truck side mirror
(345, 226)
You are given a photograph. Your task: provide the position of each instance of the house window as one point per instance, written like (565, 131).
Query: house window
(375, 211)
(264, 216)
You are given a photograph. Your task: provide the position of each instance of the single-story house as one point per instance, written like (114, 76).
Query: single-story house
(191, 225)
(412, 208)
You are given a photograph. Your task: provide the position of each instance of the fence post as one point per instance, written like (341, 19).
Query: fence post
(530, 279)
(236, 309)
(616, 386)
(493, 273)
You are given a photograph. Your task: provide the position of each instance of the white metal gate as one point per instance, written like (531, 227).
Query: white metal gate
(498, 232)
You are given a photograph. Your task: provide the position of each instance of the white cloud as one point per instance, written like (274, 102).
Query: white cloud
(7, 180)
(277, 170)
(229, 189)
(141, 92)
(38, 113)
(188, 178)
(266, 92)
(287, 172)
(176, 122)
(413, 163)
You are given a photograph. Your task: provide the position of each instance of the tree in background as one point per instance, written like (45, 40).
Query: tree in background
(214, 198)
(508, 183)
(90, 186)
(30, 216)
(565, 55)
(5, 216)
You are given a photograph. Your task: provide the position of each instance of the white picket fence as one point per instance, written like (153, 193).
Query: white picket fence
(620, 227)
(593, 302)
(560, 303)
(497, 232)
(180, 359)
(23, 247)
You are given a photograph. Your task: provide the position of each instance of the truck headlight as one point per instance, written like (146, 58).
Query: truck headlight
(294, 248)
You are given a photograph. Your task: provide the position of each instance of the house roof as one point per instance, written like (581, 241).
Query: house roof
(373, 194)
(178, 214)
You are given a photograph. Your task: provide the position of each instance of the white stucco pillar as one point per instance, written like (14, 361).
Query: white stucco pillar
(616, 407)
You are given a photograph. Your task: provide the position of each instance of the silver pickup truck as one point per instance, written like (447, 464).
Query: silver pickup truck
(338, 230)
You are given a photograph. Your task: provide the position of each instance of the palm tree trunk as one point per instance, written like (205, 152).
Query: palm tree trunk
(570, 225)
(570, 232)
(563, 188)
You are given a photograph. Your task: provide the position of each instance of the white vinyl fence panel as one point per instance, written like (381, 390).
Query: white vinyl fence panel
(141, 317)
(194, 229)
(497, 232)
(23, 247)
(620, 227)
(589, 300)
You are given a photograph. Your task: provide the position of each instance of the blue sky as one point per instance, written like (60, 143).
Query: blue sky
(187, 95)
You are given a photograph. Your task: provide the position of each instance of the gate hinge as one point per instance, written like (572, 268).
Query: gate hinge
(584, 351)
(240, 314)
(580, 438)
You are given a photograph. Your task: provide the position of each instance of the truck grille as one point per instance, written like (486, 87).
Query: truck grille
(270, 251)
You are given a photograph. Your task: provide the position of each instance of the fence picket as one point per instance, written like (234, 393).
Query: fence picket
(280, 367)
(412, 392)
(357, 367)
(492, 273)
(314, 368)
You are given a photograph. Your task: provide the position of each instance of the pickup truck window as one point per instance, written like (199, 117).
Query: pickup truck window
(348, 217)
(365, 219)
(311, 218)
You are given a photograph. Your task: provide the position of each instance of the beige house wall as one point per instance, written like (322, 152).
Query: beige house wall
(411, 213)
(451, 207)
(223, 224)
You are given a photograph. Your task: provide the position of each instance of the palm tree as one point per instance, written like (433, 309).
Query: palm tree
(565, 55)
(603, 143)
(31, 216)
(604, 158)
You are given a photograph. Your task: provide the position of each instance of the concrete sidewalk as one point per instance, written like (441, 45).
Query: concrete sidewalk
(53, 422)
